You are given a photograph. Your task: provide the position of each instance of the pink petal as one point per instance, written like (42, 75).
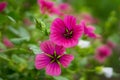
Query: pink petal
(2, 6)
(41, 61)
(53, 69)
(91, 28)
(57, 26)
(66, 59)
(64, 6)
(70, 21)
(7, 42)
(59, 50)
(47, 47)
(78, 31)
(70, 43)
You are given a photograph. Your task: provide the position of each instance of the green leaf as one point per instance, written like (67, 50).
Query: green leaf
(11, 18)
(19, 40)
(24, 33)
(5, 57)
(35, 49)
(60, 78)
(2, 46)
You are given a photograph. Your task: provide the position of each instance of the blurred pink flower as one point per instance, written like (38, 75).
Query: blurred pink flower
(65, 32)
(111, 44)
(7, 42)
(102, 53)
(51, 58)
(2, 6)
(48, 7)
(64, 6)
(89, 30)
(88, 18)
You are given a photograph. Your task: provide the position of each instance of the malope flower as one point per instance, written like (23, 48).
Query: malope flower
(51, 58)
(65, 32)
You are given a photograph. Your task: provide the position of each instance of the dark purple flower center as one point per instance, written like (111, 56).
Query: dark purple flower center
(68, 34)
(54, 57)
(103, 54)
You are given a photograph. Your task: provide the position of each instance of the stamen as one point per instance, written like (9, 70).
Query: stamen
(55, 53)
(49, 55)
(67, 30)
(52, 61)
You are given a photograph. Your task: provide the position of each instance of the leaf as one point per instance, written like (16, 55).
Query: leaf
(21, 62)
(3, 56)
(13, 30)
(19, 40)
(60, 78)
(24, 33)
(12, 19)
(35, 49)
(2, 46)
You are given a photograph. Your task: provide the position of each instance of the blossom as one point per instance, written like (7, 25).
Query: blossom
(65, 32)
(48, 7)
(7, 42)
(2, 6)
(88, 18)
(89, 30)
(102, 53)
(111, 44)
(52, 57)
(64, 6)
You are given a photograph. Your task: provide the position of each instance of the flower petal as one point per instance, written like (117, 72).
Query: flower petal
(59, 50)
(47, 47)
(66, 59)
(41, 61)
(70, 21)
(57, 26)
(2, 6)
(53, 69)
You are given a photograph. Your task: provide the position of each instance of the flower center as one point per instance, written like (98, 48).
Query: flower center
(68, 34)
(103, 54)
(54, 57)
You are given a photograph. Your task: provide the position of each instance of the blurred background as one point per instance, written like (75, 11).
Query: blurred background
(23, 26)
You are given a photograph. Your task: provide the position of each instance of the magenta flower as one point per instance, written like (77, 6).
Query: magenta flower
(7, 42)
(88, 18)
(48, 7)
(111, 44)
(65, 32)
(89, 30)
(51, 58)
(45, 6)
(64, 6)
(2, 6)
(102, 53)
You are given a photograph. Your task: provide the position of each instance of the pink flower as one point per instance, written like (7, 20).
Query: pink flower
(64, 6)
(2, 6)
(88, 18)
(102, 53)
(45, 6)
(7, 42)
(89, 30)
(51, 58)
(111, 44)
(48, 7)
(65, 32)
